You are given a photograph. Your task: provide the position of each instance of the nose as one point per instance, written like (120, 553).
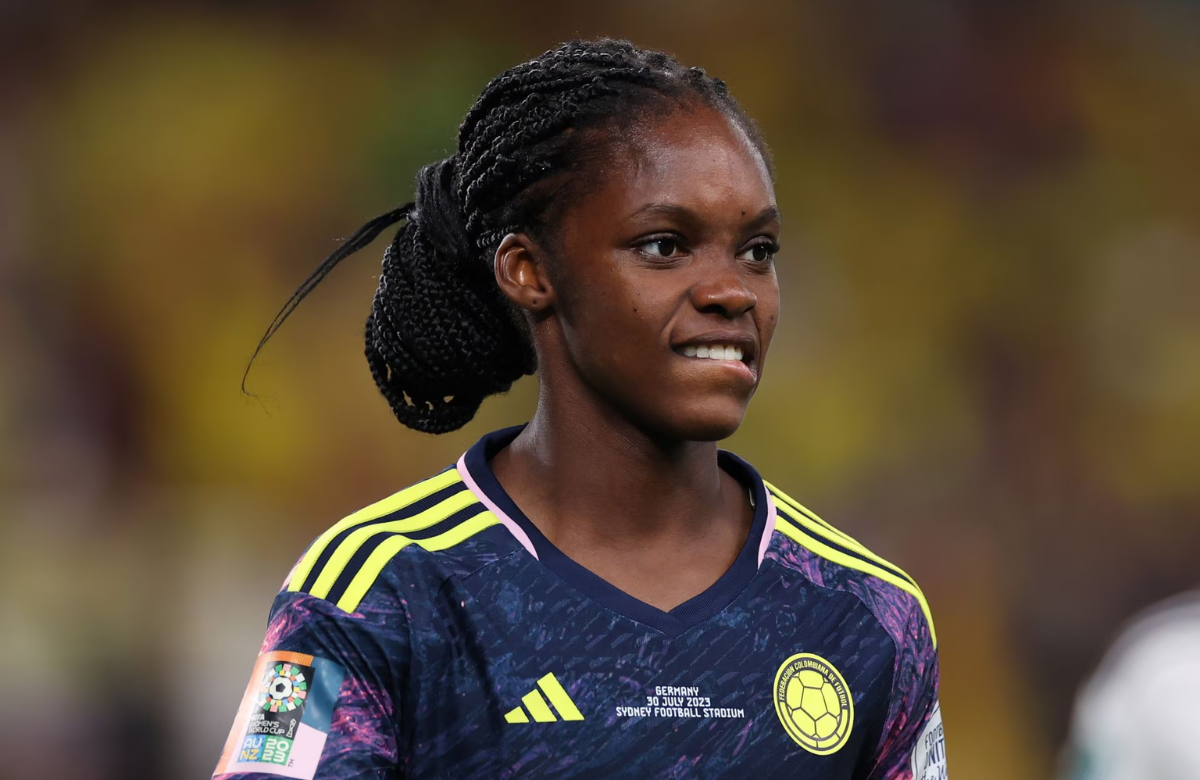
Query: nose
(723, 293)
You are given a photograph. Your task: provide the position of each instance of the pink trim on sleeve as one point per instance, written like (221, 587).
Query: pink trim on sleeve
(768, 529)
(500, 514)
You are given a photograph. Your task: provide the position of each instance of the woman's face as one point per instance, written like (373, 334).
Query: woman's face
(667, 257)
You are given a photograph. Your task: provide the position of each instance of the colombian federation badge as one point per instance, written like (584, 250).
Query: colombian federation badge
(284, 719)
(813, 703)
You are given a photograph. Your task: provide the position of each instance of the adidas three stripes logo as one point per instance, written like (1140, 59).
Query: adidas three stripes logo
(537, 707)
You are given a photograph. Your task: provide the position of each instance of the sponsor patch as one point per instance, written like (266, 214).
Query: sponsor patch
(929, 754)
(282, 724)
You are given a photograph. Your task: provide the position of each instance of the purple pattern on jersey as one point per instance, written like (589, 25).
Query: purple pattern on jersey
(361, 734)
(916, 673)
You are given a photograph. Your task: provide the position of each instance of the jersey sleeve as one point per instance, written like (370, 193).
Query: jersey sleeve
(321, 703)
(913, 745)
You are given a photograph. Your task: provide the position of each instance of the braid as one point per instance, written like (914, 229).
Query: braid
(437, 340)
(441, 336)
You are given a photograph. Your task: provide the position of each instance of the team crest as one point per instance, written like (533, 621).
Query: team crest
(814, 703)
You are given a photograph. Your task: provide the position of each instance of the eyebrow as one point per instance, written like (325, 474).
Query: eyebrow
(769, 214)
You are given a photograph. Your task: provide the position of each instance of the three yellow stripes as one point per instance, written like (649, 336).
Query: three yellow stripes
(370, 570)
(802, 526)
(362, 530)
(378, 509)
(538, 707)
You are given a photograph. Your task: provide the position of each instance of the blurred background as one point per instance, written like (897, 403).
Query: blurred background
(988, 365)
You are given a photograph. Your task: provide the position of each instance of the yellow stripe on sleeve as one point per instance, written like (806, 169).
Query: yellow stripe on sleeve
(808, 525)
(351, 544)
(797, 535)
(806, 518)
(365, 577)
(388, 505)
(841, 536)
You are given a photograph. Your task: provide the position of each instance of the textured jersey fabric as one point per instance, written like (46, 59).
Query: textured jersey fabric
(439, 634)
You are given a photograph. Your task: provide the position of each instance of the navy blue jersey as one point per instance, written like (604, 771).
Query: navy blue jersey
(439, 634)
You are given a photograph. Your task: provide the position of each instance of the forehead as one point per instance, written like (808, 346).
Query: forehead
(694, 156)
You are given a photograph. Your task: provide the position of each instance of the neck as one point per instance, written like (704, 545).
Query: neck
(587, 476)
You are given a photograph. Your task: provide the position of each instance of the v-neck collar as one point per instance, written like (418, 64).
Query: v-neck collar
(475, 469)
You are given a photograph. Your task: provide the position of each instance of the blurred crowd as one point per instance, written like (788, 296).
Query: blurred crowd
(987, 368)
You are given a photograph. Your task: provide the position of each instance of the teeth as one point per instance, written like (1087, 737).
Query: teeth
(717, 352)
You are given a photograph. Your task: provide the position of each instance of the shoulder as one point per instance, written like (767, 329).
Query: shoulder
(1154, 652)
(1151, 674)
(832, 559)
(1163, 630)
(428, 531)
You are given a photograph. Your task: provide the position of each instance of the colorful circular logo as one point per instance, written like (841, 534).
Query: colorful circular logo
(814, 703)
(284, 688)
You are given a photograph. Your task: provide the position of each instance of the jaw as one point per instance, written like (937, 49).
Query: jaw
(680, 399)
(663, 408)
(710, 419)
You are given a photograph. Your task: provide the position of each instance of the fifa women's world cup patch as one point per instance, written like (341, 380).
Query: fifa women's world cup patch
(814, 703)
(929, 754)
(282, 724)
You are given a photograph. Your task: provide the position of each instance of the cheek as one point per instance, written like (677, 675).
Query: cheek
(770, 321)
(627, 327)
(616, 331)
(768, 317)
(606, 301)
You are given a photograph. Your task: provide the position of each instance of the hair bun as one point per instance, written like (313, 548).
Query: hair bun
(437, 340)
(439, 212)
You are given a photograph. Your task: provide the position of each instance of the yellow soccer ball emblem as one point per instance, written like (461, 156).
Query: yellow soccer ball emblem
(814, 703)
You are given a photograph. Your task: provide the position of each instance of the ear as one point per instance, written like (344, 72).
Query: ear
(520, 265)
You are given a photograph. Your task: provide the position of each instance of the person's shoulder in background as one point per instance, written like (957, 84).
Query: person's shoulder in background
(1136, 717)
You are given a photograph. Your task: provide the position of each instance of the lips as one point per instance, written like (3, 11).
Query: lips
(731, 352)
(704, 343)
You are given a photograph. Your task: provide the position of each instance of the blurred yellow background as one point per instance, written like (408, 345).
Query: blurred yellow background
(988, 365)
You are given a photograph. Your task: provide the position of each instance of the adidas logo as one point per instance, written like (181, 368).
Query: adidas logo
(539, 709)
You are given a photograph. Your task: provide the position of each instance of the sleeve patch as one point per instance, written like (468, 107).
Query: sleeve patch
(284, 718)
(929, 754)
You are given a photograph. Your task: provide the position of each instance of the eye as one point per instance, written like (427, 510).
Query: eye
(660, 247)
(761, 252)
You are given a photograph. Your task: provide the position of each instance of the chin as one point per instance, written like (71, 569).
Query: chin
(707, 422)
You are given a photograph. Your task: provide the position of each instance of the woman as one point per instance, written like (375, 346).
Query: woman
(600, 592)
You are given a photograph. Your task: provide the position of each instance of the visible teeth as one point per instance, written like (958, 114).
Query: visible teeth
(718, 352)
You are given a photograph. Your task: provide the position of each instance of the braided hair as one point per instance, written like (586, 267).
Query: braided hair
(441, 336)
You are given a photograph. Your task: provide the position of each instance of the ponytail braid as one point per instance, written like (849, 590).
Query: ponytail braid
(438, 339)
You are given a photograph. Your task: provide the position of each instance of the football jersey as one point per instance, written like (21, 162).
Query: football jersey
(439, 634)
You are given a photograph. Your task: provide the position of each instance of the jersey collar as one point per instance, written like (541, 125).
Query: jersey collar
(475, 468)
